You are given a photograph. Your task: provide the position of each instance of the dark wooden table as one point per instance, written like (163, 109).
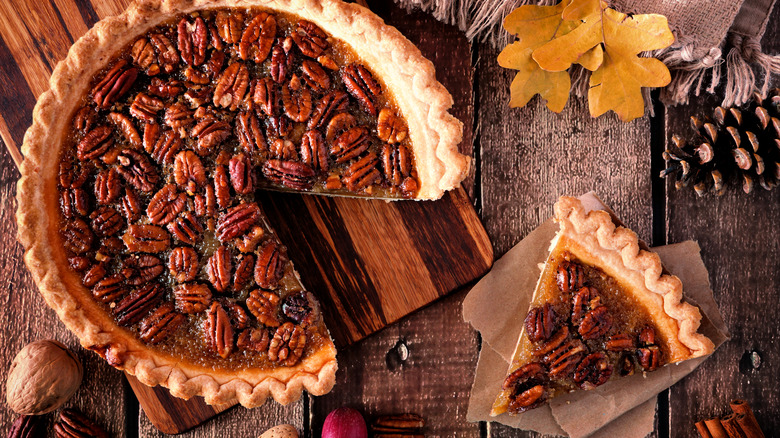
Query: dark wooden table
(524, 159)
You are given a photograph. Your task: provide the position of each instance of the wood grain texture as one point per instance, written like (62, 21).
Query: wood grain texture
(741, 248)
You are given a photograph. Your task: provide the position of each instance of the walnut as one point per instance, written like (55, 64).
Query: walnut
(31, 388)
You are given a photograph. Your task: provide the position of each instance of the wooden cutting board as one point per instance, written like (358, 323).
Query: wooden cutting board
(370, 263)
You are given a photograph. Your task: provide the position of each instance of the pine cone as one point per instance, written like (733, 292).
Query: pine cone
(734, 146)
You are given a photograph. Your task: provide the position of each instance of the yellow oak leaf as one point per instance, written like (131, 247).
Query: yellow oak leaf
(535, 26)
(592, 59)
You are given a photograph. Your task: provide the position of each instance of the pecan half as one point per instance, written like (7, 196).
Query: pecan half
(138, 304)
(219, 269)
(244, 271)
(647, 336)
(362, 173)
(77, 237)
(279, 126)
(188, 171)
(310, 39)
(73, 424)
(258, 37)
(146, 238)
(241, 174)
(137, 170)
(563, 359)
(554, 342)
(222, 186)
(596, 323)
(95, 143)
(126, 127)
(74, 202)
(237, 221)
(620, 342)
(282, 60)
(84, 119)
(297, 103)
(140, 269)
(283, 149)
(331, 104)
(315, 76)
(183, 264)
(270, 265)
(264, 305)
(192, 297)
(229, 26)
(266, 97)
(169, 57)
(249, 134)
(314, 152)
(350, 144)
(296, 307)
(527, 387)
(193, 41)
(649, 357)
(239, 317)
(287, 345)
(231, 86)
(114, 84)
(145, 107)
(625, 366)
(95, 274)
(396, 163)
(540, 323)
(390, 127)
(25, 426)
(255, 339)
(581, 302)
(179, 117)
(109, 289)
(165, 88)
(79, 263)
(144, 56)
(166, 204)
(570, 276)
(131, 205)
(108, 186)
(249, 241)
(210, 132)
(292, 174)
(218, 331)
(593, 371)
(160, 324)
(362, 86)
(199, 97)
(186, 228)
(215, 63)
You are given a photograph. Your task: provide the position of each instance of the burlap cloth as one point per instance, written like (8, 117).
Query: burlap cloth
(709, 34)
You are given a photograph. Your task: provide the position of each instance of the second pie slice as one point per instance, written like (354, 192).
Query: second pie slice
(603, 308)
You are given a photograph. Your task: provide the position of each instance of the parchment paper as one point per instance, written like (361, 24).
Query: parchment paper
(497, 306)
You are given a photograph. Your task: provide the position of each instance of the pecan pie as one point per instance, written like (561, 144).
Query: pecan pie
(137, 199)
(603, 309)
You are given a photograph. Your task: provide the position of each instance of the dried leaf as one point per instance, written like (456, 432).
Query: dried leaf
(536, 25)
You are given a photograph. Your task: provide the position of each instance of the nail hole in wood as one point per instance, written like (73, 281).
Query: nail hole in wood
(397, 355)
(750, 362)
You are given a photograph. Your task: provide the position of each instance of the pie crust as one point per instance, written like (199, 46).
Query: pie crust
(424, 102)
(592, 236)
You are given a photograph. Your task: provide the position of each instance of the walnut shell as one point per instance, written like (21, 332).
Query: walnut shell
(42, 377)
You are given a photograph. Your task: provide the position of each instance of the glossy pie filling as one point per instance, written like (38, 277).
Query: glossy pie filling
(581, 331)
(175, 136)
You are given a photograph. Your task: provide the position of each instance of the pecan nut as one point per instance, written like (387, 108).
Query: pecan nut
(237, 221)
(106, 221)
(219, 269)
(570, 276)
(95, 143)
(593, 371)
(333, 103)
(131, 205)
(239, 317)
(649, 357)
(540, 323)
(361, 174)
(581, 302)
(314, 152)
(108, 186)
(397, 165)
(565, 358)
(218, 331)
(179, 117)
(126, 127)
(84, 119)
(138, 304)
(165, 89)
(292, 174)
(192, 297)
(310, 39)
(270, 265)
(244, 272)
(231, 86)
(26, 426)
(595, 323)
(74, 202)
(297, 308)
(110, 288)
(254, 339)
(115, 84)
(77, 237)
(620, 342)
(210, 132)
(146, 238)
(362, 85)
(266, 97)
(165, 205)
(164, 146)
(264, 305)
(389, 127)
(140, 269)
(137, 170)
(229, 26)
(288, 344)
(169, 57)
(188, 171)
(249, 241)
(297, 103)
(350, 144)
(222, 186)
(258, 37)
(145, 107)
(160, 324)
(284, 150)
(315, 76)
(73, 424)
(193, 41)
(241, 174)
(183, 264)
(282, 60)
(249, 134)
(186, 228)
(527, 387)
(647, 336)
(338, 125)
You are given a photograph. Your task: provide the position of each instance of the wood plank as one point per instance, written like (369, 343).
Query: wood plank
(738, 237)
(531, 156)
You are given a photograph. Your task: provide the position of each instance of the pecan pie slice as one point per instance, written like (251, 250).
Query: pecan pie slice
(603, 309)
(137, 202)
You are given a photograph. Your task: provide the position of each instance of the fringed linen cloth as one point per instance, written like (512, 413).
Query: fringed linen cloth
(708, 34)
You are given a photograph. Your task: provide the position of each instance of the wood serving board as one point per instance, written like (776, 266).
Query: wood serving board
(370, 262)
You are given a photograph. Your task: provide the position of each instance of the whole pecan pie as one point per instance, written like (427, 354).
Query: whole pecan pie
(137, 200)
(603, 309)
